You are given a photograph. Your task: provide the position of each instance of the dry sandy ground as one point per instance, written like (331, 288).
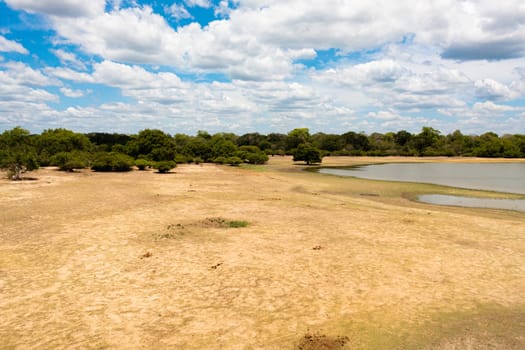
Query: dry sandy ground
(137, 261)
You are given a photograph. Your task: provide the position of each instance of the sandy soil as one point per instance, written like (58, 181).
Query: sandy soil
(140, 260)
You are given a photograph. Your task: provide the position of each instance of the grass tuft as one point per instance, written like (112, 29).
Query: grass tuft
(238, 223)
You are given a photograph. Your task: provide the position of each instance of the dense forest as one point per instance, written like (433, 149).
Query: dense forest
(21, 151)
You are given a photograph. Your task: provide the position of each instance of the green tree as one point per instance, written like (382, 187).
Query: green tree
(17, 153)
(356, 143)
(53, 141)
(514, 146)
(402, 137)
(382, 144)
(153, 144)
(489, 145)
(307, 153)
(199, 148)
(427, 142)
(204, 134)
(251, 139)
(328, 142)
(277, 143)
(222, 146)
(296, 137)
(105, 142)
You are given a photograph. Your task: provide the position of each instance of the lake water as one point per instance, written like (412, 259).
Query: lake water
(460, 201)
(500, 177)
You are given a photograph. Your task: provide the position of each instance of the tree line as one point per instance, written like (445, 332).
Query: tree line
(68, 150)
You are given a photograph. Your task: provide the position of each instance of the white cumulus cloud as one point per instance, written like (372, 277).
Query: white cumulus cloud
(178, 12)
(71, 93)
(60, 8)
(69, 59)
(7, 45)
(492, 90)
(199, 3)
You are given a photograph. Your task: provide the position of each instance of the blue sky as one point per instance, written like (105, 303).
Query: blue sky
(268, 66)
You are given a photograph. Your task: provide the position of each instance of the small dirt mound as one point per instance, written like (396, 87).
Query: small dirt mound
(214, 223)
(322, 342)
(146, 255)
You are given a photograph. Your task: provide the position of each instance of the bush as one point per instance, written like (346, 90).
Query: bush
(142, 164)
(252, 155)
(20, 165)
(233, 161)
(69, 161)
(181, 159)
(17, 153)
(257, 158)
(165, 166)
(112, 162)
(220, 160)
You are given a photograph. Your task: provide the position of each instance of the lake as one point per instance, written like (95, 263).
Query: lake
(500, 177)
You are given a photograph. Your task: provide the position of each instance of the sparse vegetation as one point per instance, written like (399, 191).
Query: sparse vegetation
(322, 342)
(175, 230)
(133, 250)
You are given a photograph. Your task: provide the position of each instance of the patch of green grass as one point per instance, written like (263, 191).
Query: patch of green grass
(486, 326)
(219, 222)
(254, 167)
(238, 223)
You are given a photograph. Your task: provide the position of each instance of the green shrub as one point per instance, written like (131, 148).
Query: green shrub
(69, 161)
(165, 166)
(220, 160)
(142, 164)
(112, 162)
(233, 161)
(181, 159)
(17, 153)
(257, 158)
(252, 155)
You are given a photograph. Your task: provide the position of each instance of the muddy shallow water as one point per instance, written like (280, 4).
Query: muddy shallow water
(473, 202)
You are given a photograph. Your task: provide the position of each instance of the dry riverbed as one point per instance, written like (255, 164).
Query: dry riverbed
(261, 257)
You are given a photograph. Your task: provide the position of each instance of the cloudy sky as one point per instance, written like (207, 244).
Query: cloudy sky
(263, 65)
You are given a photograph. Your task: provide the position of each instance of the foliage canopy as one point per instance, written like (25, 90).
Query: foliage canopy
(20, 151)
